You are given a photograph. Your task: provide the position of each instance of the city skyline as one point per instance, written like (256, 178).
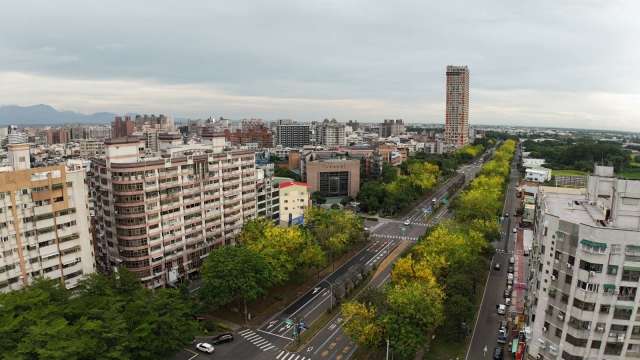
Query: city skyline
(532, 64)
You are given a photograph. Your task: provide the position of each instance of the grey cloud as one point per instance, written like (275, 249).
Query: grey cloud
(388, 50)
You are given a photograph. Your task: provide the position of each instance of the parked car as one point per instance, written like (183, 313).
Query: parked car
(503, 325)
(510, 276)
(512, 260)
(222, 338)
(496, 267)
(502, 337)
(507, 301)
(407, 222)
(498, 353)
(515, 230)
(506, 214)
(510, 282)
(205, 347)
(510, 269)
(501, 309)
(507, 293)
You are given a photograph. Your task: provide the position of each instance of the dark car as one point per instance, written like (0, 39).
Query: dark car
(507, 293)
(222, 338)
(497, 353)
(510, 269)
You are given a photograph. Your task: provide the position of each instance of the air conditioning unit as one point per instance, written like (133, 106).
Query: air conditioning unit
(620, 338)
(561, 316)
(600, 328)
(557, 261)
(544, 329)
(569, 266)
(554, 278)
(592, 273)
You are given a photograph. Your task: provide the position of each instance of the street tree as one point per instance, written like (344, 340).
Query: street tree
(234, 273)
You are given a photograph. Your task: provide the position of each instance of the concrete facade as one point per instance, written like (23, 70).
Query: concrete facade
(334, 177)
(44, 226)
(294, 200)
(456, 128)
(585, 271)
(160, 217)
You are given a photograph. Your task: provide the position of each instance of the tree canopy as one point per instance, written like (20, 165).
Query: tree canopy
(107, 317)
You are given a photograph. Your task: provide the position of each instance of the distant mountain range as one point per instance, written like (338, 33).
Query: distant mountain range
(47, 115)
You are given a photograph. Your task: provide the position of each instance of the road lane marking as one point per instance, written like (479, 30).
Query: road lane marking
(281, 352)
(273, 334)
(195, 354)
(244, 331)
(327, 340)
(315, 307)
(268, 348)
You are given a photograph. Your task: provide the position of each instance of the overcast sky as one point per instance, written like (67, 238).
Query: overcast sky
(543, 62)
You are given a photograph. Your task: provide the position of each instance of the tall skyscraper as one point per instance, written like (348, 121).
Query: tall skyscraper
(456, 128)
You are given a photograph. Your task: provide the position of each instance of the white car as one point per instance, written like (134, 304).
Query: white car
(501, 309)
(205, 347)
(407, 222)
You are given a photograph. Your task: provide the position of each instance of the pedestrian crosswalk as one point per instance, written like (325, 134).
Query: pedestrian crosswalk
(412, 238)
(285, 355)
(256, 340)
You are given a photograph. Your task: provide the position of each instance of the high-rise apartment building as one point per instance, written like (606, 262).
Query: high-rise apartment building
(293, 135)
(330, 133)
(160, 217)
(44, 223)
(122, 127)
(391, 127)
(456, 128)
(585, 271)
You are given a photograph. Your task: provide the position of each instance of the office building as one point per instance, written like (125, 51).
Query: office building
(456, 127)
(294, 200)
(160, 216)
(585, 271)
(334, 177)
(293, 135)
(44, 223)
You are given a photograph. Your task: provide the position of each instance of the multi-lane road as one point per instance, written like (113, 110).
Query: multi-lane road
(270, 339)
(485, 333)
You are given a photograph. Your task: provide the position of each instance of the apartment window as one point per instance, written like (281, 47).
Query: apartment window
(576, 341)
(622, 313)
(612, 270)
(585, 265)
(583, 305)
(564, 298)
(571, 260)
(630, 274)
(568, 279)
(604, 309)
(559, 332)
(596, 344)
(627, 293)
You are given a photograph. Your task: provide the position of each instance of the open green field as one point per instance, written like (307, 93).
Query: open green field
(568, 172)
(630, 174)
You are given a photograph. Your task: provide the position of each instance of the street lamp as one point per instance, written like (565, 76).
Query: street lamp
(331, 292)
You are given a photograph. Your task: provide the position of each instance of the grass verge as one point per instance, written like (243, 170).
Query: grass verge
(568, 172)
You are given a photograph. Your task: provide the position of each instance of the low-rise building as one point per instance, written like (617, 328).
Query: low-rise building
(532, 162)
(539, 175)
(334, 177)
(294, 200)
